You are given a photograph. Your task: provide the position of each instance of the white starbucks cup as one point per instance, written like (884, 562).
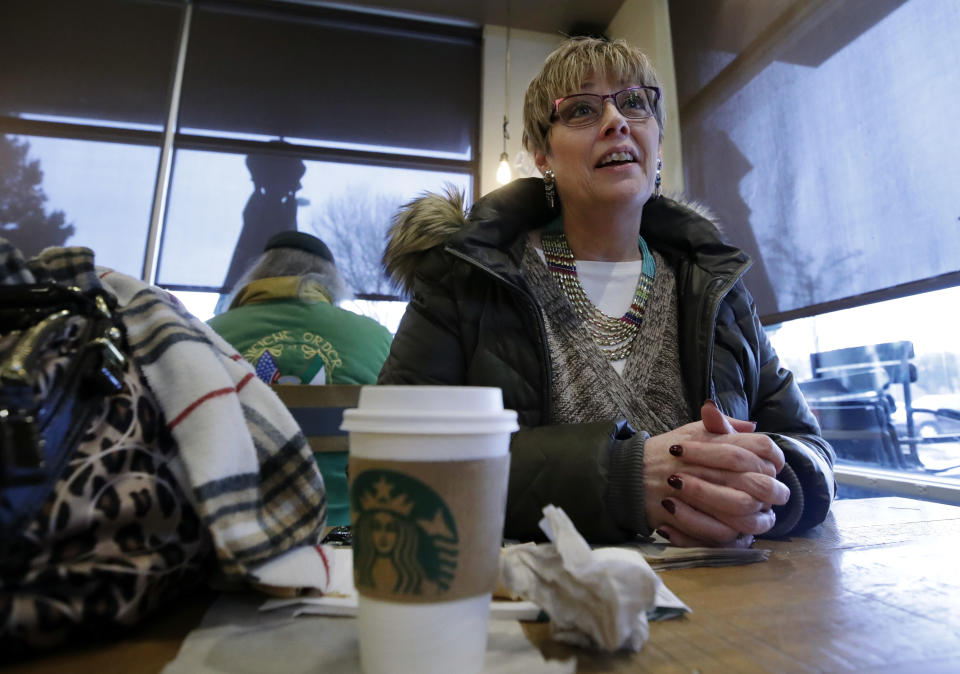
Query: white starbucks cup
(428, 487)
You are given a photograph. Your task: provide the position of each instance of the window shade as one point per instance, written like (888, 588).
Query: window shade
(834, 166)
(95, 60)
(304, 76)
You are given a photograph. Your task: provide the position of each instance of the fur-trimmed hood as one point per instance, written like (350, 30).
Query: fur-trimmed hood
(673, 226)
(418, 226)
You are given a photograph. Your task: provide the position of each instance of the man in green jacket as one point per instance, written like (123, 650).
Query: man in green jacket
(285, 322)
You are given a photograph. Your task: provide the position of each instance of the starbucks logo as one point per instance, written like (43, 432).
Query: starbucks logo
(404, 535)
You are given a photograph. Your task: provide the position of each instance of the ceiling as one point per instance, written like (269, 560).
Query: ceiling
(547, 16)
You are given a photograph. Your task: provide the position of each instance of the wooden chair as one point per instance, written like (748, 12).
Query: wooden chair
(319, 412)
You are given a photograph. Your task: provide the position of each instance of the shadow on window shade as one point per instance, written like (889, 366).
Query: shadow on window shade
(349, 206)
(327, 80)
(834, 166)
(93, 60)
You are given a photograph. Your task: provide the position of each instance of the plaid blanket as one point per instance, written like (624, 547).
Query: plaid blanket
(255, 483)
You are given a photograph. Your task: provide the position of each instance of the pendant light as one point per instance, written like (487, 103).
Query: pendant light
(504, 174)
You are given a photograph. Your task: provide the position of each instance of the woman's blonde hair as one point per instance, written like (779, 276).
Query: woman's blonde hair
(570, 65)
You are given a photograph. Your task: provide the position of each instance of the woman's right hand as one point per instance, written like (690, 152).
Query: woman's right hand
(712, 482)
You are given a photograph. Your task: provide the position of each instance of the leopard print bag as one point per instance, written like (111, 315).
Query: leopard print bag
(116, 536)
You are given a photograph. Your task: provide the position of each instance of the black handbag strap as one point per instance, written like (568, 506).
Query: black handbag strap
(40, 431)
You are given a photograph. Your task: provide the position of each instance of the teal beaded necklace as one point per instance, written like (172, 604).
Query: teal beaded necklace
(613, 335)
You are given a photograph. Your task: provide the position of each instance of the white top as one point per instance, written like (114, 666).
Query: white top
(610, 286)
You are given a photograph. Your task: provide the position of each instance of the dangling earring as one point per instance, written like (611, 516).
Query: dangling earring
(658, 189)
(550, 188)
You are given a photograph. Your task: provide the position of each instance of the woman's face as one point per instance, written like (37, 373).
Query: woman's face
(579, 156)
(384, 532)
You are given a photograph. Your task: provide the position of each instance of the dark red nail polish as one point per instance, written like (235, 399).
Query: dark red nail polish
(676, 450)
(675, 482)
(663, 533)
(669, 506)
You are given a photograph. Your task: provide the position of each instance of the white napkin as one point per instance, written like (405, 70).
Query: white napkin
(339, 594)
(235, 638)
(595, 598)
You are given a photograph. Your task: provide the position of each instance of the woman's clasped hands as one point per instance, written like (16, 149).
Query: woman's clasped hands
(712, 482)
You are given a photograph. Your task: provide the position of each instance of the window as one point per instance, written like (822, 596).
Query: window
(822, 135)
(895, 425)
(84, 97)
(216, 227)
(331, 103)
(101, 191)
(827, 148)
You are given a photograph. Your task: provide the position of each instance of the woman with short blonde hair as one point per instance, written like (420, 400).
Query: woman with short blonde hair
(616, 323)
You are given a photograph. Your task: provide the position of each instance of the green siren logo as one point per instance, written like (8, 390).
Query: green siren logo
(404, 537)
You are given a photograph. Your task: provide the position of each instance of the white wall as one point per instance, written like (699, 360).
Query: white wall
(528, 49)
(646, 24)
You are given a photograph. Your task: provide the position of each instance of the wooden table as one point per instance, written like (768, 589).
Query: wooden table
(876, 588)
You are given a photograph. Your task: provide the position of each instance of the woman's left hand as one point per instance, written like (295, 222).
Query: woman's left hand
(680, 539)
(741, 500)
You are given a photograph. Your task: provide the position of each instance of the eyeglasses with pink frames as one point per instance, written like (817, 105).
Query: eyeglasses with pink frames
(635, 103)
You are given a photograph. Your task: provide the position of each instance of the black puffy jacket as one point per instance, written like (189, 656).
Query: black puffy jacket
(473, 320)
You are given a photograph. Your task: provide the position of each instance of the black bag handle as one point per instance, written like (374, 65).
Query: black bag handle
(39, 433)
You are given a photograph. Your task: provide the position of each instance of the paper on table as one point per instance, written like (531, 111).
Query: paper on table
(341, 596)
(234, 637)
(661, 556)
(666, 605)
(318, 566)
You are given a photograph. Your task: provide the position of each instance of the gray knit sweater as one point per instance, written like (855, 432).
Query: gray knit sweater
(649, 395)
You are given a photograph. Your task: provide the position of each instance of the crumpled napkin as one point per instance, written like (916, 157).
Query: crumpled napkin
(595, 598)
